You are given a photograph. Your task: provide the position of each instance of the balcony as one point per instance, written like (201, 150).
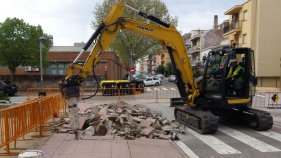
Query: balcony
(232, 28)
(194, 49)
(233, 10)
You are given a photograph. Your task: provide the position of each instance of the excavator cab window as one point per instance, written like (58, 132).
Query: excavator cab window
(214, 72)
(240, 75)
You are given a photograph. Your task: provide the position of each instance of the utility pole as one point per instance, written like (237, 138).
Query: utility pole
(41, 40)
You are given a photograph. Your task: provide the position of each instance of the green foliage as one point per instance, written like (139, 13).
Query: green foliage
(19, 44)
(3, 97)
(169, 69)
(160, 69)
(130, 45)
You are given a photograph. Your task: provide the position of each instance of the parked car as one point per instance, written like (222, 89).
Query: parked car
(161, 76)
(151, 81)
(8, 88)
(172, 78)
(156, 76)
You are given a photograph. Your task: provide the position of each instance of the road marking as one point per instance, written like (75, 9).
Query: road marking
(148, 89)
(186, 149)
(271, 134)
(253, 142)
(156, 89)
(260, 96)
(216, 144)
(165, 89)
(173, 89)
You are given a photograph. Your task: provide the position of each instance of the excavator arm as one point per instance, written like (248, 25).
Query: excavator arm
(165, 33)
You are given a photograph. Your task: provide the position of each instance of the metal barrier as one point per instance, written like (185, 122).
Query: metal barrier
(15, 122)
(33, 93)
(260, 100)
(133, 93)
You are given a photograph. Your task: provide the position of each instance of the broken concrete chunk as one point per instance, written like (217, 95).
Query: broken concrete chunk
(112, 117)
(162, 136)
(90, 131)
(147, 131)
(157, 125)
(100, 130)
(165, 122)
(145, 123)
(138, 120)
(167, 128)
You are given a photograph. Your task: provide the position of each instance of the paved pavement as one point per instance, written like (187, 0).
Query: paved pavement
(64, 146)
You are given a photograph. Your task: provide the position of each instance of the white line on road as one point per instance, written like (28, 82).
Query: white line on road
(186, 149)
(260, 96)
(216, 144)
(271, 134)
(148, 89)
(253, 142)
(173, 89)
(165, 89)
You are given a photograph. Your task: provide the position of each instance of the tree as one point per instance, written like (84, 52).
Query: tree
(160, 69)
(169, 69)
(128, 45)
(19, 44)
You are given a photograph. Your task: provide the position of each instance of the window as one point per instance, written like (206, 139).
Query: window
(61, 65)
(244, 38)
(54, 65)
(54, 72)
(61, 72)
(245, 15)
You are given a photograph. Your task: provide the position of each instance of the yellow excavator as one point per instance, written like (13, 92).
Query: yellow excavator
(203, 101)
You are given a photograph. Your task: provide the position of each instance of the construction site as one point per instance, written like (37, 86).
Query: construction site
(88, 102)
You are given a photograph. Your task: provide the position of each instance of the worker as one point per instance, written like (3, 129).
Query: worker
(234, 79)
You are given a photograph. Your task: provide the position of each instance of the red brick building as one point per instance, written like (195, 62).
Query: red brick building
(108, 67)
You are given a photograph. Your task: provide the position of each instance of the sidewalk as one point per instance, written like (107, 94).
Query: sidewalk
(64, 146)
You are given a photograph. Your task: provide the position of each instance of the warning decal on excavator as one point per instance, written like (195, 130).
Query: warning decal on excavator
(275, 98)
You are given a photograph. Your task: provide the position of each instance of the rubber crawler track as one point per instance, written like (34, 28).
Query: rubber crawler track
(203, 122)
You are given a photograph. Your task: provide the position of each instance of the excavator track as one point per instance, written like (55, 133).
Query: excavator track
(203, 122)
(255, 119)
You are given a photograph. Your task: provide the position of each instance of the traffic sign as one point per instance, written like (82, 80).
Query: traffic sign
(132, 69)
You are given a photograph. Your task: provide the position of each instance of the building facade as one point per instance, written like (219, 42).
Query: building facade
(256, 24)
(109, 67)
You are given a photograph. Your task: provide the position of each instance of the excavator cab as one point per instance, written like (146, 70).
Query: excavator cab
(222, 85)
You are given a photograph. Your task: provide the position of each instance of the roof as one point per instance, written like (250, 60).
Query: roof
(67, 49)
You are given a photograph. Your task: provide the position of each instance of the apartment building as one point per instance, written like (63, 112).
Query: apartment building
(196, 40)
(256, 24)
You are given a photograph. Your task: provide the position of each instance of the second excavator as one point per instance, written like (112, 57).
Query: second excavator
(219, 93)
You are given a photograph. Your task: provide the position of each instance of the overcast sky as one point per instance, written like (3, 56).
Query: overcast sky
(69, 21)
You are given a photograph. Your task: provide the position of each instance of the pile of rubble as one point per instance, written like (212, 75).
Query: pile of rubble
(124, 120)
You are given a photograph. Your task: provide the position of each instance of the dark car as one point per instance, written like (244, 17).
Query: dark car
(8, 88)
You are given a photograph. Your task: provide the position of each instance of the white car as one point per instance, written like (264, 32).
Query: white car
(152, 81)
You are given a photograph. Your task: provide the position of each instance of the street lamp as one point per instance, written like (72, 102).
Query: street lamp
(41, 40)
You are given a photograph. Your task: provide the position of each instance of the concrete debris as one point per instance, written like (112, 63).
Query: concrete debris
(124, 120)
(90, 131)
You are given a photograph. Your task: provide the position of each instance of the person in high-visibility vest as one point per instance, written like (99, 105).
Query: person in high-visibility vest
(234, 79)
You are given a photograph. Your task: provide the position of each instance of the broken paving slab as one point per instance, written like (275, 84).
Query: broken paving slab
(124, 120)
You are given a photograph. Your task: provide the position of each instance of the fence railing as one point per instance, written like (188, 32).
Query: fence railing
(17, 121)
(260, 100)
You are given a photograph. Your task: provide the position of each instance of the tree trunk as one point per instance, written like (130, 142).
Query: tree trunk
(12, 73)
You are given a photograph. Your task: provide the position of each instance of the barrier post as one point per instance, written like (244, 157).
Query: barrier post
(156, 96)
(119, 94)
(7, 132)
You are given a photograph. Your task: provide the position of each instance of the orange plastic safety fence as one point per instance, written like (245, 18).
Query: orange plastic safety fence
(17, 121)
